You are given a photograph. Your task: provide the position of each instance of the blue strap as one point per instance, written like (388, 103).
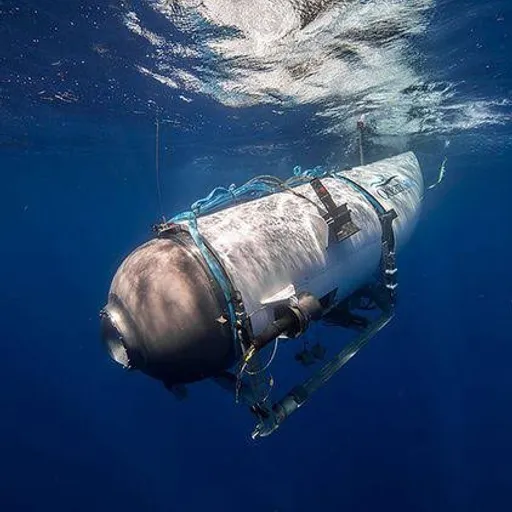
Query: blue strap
(216, 269)
(358, 188)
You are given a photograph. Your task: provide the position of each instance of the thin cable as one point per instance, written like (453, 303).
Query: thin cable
(157, 165)
(269, 362)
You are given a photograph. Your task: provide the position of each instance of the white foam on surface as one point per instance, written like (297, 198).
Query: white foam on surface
(346, 57)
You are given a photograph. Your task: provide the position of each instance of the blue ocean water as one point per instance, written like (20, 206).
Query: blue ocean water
(418, 421)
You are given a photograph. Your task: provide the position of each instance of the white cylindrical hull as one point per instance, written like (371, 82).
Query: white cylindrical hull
(280, 242)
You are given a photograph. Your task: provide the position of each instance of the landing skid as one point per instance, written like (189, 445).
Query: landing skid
(276, 413)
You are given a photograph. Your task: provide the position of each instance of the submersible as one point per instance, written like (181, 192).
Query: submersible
(253, 264)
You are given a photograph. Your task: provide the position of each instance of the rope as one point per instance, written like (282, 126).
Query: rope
(260, 186)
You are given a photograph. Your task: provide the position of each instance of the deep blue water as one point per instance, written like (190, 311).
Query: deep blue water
(418, 421)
